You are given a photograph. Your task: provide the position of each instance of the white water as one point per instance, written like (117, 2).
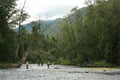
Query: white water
(62, 72)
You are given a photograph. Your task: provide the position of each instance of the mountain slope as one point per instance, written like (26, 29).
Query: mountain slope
(52, 27)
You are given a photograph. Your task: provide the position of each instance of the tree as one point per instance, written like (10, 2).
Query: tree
(7, 10)
(92, 37)
(18, 19)
(8, 40)
(102, 30)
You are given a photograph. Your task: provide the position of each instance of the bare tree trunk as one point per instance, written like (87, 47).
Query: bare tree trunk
(19, 27)
(16, 53)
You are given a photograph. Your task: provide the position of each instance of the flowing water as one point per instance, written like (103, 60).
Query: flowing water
(57, 72)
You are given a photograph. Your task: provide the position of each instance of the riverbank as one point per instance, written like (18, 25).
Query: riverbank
(7, 65)
(13, 65)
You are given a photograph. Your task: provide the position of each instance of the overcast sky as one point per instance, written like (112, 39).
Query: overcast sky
(49, 9)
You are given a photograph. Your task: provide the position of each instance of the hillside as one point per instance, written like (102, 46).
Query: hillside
(52, 27)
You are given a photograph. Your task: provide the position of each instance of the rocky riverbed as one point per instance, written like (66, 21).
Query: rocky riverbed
(59, 72)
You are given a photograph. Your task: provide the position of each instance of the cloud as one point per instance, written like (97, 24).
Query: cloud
(49, 8)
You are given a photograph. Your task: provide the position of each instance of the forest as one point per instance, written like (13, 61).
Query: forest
(88, 37)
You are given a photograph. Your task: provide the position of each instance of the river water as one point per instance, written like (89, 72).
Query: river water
(57, 72)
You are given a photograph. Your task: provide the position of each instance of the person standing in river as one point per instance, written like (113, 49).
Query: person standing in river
(48, 64)
(41, 63)
(38, 63)
(27, 65)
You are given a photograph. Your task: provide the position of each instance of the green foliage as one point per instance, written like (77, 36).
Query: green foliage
(93, 37)
(102, 64)
(7, 46)
(7, 35)
(65, 62)
(7, 9)
(97, 64)
(103, 30)
(6, 65)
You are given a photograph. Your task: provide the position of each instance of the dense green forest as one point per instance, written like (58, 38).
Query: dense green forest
(86, 37)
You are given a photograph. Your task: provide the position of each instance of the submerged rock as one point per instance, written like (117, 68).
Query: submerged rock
(57, 68)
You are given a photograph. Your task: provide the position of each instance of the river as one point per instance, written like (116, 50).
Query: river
(58, 72)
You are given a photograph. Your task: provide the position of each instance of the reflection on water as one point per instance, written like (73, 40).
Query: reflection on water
(56, 72)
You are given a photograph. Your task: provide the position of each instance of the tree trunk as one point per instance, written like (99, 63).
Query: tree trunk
(16, 54)
(23, 59)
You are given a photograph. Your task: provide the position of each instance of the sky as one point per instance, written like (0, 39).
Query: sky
(49, 9)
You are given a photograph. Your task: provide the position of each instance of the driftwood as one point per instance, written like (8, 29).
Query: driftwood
(23, 59)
